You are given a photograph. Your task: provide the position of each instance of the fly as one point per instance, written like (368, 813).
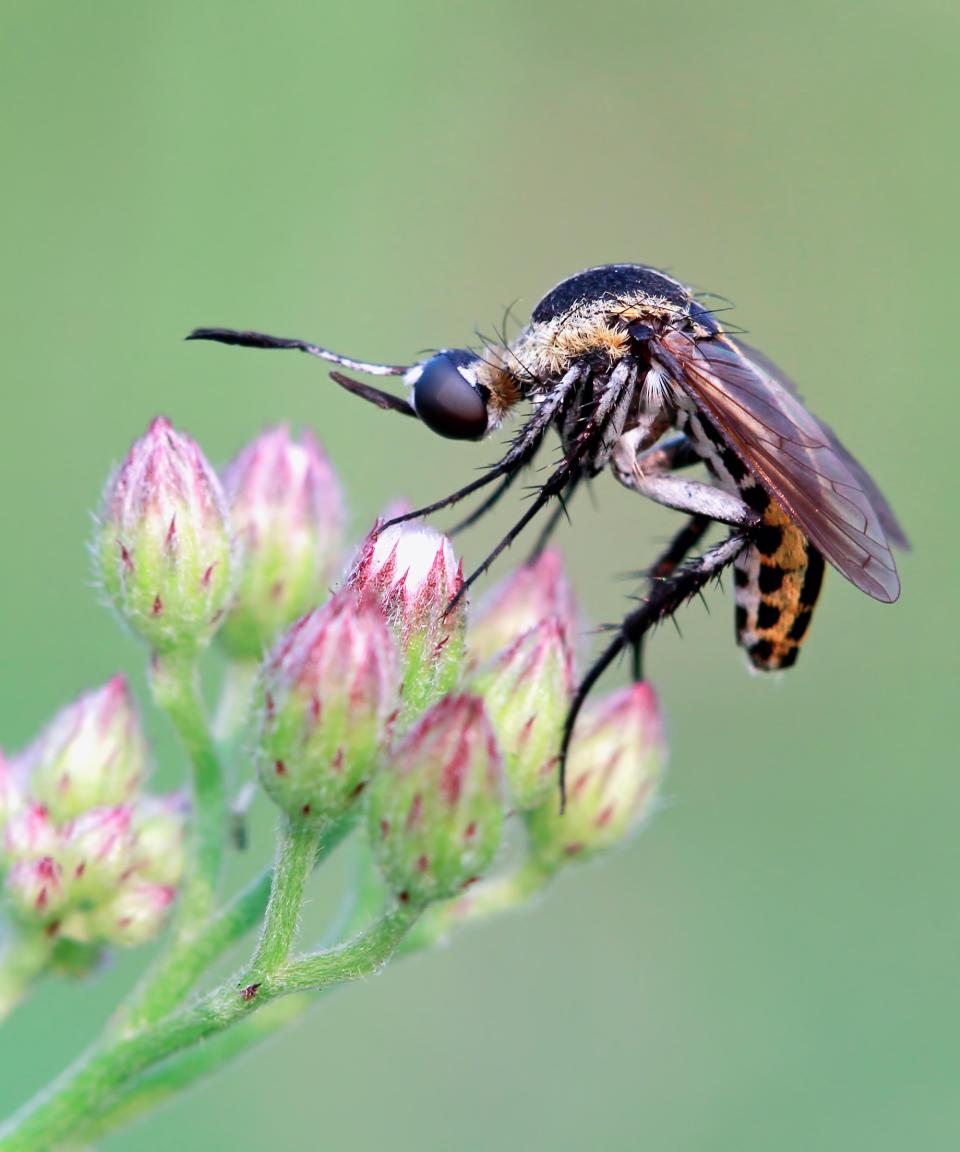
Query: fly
(638, 377)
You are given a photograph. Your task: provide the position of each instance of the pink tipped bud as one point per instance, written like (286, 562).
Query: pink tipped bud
(326, 695)
(615, 763)
(30, 834)
(159, 824)
(134, 916)
(164, 544)
(287, 513)
(528, 595)
(411, 572)
(36, 889)
(98, 851)
(527, 689)
(436, 811)
(92, 754)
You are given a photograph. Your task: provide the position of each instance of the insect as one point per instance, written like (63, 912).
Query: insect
(639, 377)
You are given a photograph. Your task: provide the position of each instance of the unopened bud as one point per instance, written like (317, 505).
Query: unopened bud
(98, 851)
(614, 765)
(287, 515)
(527, 689)
(30, 834)
(436, 811)
(163, 543)
(326, 694)
(531, 593)
(92, 754)
(411, 572)
(36, 888)
(159, 825)
(134, 916)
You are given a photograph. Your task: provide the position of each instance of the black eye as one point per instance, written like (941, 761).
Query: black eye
(447, 402)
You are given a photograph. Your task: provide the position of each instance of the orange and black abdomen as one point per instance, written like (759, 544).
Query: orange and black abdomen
(777, 581)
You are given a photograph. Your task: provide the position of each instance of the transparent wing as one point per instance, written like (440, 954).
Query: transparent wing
(799, 461)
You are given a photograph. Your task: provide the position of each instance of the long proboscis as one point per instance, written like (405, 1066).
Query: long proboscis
(262, 340)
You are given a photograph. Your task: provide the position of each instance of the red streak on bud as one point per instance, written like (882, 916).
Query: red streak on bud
(359, 788)
(125, 558)
(305, 810)
(337, 762)
(470, 880)
(207, 575)
(276, 590)
(52, 928)
(384, 829)
(423, 863)
(80, 869)
(404, 897)
(416, 811)
(41, 899)
(171, 532)
(470, 831)
(573, 849)
(280, 768)
(525, 731)
(604, 817)
(157, 605)
(268, 700)
(315, 708)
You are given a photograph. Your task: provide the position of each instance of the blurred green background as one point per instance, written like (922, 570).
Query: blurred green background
(773, 963)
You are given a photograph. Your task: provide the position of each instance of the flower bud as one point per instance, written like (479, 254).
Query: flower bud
(326, 694)
(287, 513)
(36, 888)
(615, 762)
(163, 542)
(92, 754)
(528, 595)
(410, 570)
(159, 824)
(527, 689)
(436, 813)
(30, 834)
(98, 851)
(134, 916)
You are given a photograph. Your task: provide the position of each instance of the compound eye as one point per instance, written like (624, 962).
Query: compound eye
(448, 403)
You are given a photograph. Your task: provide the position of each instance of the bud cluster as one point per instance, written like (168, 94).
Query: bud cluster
(85, 855)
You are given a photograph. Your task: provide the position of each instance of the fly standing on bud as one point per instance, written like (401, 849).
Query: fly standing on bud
(613, 360)
(163, 544)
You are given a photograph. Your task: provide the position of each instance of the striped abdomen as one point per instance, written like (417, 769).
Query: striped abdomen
(776, 584)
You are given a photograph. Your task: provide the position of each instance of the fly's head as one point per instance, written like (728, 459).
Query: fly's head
(460, 395)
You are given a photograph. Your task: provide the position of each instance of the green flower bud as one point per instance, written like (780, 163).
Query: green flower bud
(92, 754)
(326, 695)
(159, 825)
(410, 571)
(527, 689)
(36, 889)
(436, 812)
(614, 765)
(163, 542)
(30, 834)
(98, 851)
(134, 916)
(531, 593)
(287, 514)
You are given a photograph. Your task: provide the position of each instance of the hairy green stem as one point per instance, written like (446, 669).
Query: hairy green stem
(296, 851)
(23, 957)
(53, 1116)
(184, 1071)
(175, 682)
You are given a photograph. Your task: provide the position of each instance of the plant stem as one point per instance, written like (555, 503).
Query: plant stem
(296, 852)
(53, 1116)
(183, 1072)
(175, 682)
(23, 957)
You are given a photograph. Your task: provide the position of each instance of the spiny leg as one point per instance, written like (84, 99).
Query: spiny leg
(561, 511)
(665, 598)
